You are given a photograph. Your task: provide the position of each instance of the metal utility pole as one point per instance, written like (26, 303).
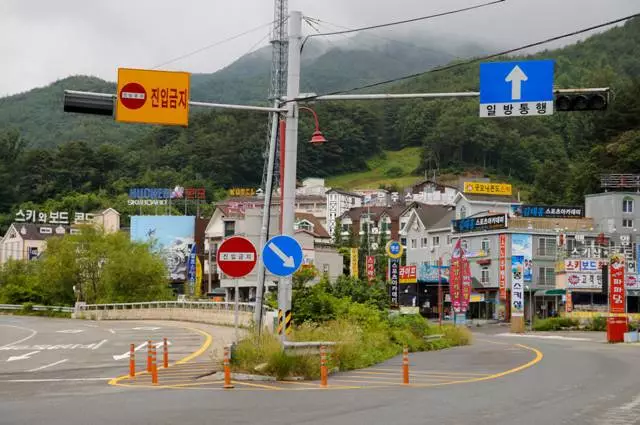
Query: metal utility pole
(288, 198)
(279, 43)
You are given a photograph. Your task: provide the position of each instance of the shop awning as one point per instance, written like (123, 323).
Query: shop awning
(549, 292)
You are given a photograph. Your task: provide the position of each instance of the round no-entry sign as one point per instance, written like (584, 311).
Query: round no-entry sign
(237, 257)
(133, 96)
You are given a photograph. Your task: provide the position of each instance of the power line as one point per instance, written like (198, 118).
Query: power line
(480, 59)
(209, 46)
(406, 21)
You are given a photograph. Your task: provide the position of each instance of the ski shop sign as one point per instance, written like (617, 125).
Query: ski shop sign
(490, 222)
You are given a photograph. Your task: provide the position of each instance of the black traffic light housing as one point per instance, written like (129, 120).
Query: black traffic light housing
(84, 103)
(581, 100)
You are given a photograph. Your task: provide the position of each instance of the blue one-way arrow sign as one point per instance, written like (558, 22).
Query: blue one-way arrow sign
(282, 255)
(516, 88)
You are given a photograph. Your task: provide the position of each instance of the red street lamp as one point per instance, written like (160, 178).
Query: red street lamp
(317, 138)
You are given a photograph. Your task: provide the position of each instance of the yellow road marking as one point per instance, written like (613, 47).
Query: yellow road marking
(298, 383)
(202, 349)
(425, 372)
(249, 384)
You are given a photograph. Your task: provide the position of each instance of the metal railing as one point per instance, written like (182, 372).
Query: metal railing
(37, 308)
(196, 305)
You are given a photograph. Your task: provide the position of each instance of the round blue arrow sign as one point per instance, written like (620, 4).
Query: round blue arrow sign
(282, 255)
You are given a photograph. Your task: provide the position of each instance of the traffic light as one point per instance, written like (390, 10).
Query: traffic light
(85, 103)
(581, 100)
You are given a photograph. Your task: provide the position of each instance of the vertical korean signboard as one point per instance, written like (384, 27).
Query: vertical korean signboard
(502, 262)
(522, 245)
(371, 268)
(394, 279)
(354, 262)
(466, 285)
(455, 278)
(517, 286)
(617, 320)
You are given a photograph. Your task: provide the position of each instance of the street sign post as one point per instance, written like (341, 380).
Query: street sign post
(516, 89)
(282, 255)
(236, 258)
(153, 97)
(394, 249)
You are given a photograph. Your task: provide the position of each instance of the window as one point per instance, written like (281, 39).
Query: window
(436, 241)
(486, 245)
(325, 268)
(463, 212)
(304, 225)
(46, 230)
(386, 225)
(448, 239)
(547, 247)
(627, 223)
(229, 228)
(484, 277)
(627, 204)
(414, 243)
(546, 276)
(403, 241)
(424, 242)
(345, 227)
(464, 244)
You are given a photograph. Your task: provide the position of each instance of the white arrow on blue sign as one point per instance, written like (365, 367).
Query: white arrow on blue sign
(516, 89)
(282, 255)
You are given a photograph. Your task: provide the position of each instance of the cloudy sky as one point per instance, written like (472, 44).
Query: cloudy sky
(44, 40)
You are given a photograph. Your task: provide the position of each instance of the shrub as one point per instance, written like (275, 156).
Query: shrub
(27, 307)
(555, 324)
(394, 172)
(597, 323)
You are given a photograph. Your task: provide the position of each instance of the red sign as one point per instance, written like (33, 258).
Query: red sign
(371, 268)
(569, 303)
(133, 96)
(195, 193)
(408, 274)
(237, 257)
(617, 298)
(455, 283)
(466, 285)
(503, 267)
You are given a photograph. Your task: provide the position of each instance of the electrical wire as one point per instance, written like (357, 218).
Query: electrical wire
(475, 60)
(215, 44)
(406, 21)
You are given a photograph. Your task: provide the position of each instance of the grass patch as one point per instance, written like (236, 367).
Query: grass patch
(394, 168)
(555, 324)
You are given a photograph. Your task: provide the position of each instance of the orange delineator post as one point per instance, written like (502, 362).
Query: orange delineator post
(149, 344)
(154, 366)
(323, 366)
(405, 365)
(165, 353)
(227, 369)
(132, 361)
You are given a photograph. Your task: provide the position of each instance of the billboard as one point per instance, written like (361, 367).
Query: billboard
(484, 188)
(517, 286)
(522, 245)
(471, 224)
(540, 211)
(171, 236)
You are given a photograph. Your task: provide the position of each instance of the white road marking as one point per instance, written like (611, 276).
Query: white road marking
(112, 331)
(93, 346)
(48, 365)
(634, 403)
(33, 333)
(556, 337)
(146, 328)
(22, 356)
(70, 331)
(139, 347)
(58, 380)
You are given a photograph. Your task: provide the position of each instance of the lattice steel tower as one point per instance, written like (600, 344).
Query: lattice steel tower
(279, 43)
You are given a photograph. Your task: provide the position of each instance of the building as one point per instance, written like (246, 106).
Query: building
(371, 222)
(314, 204)
(337, 203)
(614, 212)
(312, 236)
(433, 193)
(375, 197)
(26, 237)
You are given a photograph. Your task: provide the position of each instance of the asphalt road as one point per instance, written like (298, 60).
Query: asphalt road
(500, 379)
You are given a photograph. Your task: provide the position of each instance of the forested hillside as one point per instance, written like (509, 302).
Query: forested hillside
(554, 159)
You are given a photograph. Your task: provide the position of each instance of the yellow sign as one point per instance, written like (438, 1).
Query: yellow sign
(153, 97)
(482, 188)
(198, 289)
(354, 262)
(242, 191)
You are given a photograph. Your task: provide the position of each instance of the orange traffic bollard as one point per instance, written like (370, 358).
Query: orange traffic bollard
(165, 353)
(149, 344)
(227, 369)
(405, 365)
(323, 366)
(132, 361)
(154, 366)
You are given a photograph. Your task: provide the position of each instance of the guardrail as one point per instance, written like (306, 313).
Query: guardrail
(38, 308)
(199, 305)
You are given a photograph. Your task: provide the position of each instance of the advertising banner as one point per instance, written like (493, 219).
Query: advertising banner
(522, 245)
(354, 262)
(517, 285)
(484, 188)
(191, 268)
(489, 222)
(569, 304)
(171, 236)
(455, 284)
(371, 268)
(466, 285)
(198, 289)
(617, 298)
(394, 277)
(579, 280)
(429, 273)
(408, 274)
(502, 264)
(540, 211)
